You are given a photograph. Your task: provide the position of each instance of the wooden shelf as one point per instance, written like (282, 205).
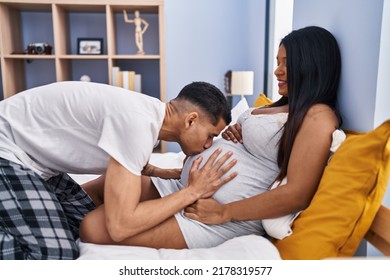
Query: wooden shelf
(29, 56)
(58, 15)
(80, 56)
(136, 57)
(69, 20)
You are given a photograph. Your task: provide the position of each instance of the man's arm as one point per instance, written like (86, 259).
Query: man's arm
(164, 173)
(125, 216)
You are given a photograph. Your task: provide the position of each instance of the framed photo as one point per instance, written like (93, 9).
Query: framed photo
(89, 45)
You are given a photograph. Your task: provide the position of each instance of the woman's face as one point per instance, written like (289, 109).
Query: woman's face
(281, 71)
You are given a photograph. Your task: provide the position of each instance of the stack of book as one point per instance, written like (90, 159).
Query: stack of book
(126, 79)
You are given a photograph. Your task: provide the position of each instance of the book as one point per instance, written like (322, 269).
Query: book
(137, 83)
(115, 73)
(120, 79)
(125, 79)
(131, 75)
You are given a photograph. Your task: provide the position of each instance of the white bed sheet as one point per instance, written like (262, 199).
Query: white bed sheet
(249, 247)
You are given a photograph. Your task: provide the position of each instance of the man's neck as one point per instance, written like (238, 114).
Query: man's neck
(170, 126)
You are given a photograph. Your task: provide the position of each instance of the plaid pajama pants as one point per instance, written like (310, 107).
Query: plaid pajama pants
(39, 219)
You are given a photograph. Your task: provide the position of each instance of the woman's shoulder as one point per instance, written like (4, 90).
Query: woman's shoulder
(322, 110)
(322, 114)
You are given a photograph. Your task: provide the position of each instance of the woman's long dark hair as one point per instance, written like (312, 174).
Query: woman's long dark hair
(313, 75)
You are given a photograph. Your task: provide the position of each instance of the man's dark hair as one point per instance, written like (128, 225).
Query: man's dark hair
(209, 98)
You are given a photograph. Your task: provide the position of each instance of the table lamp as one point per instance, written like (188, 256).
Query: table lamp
(241, 83)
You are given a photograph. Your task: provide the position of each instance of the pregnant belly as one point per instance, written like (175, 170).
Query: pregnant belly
(251, 178)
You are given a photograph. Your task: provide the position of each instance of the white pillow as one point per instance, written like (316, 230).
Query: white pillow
(240, 108)
(279, 228)
(237, 110)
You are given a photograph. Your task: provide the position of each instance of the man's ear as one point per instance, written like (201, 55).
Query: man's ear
(191, 118)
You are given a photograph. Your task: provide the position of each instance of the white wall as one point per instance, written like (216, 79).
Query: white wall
(280, 26)
(382, 105)
(382, 112)
(362, 28)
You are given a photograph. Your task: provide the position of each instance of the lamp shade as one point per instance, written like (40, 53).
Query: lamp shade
(242, 83)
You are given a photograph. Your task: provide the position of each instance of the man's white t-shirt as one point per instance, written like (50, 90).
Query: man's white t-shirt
(76, 127)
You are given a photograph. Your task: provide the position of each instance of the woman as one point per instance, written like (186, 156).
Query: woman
(312, 59)
(291, 138)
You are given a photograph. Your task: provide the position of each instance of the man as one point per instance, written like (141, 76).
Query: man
(90, 128)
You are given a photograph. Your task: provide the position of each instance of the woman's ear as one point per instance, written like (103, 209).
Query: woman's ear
(191, 119)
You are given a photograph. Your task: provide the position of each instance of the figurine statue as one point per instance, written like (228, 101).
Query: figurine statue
(139, 30)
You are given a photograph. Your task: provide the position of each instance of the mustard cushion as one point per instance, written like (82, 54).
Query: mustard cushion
(348, 197)
(262, 100)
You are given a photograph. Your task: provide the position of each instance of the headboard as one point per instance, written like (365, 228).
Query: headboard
(379, 233)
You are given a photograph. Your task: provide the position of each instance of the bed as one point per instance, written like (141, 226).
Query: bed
(346, 208)
(244, 247)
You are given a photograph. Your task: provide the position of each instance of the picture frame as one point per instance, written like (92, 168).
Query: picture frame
(89, 46)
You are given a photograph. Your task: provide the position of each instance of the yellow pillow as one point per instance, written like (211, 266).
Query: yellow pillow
(348, 197)
(262, 100)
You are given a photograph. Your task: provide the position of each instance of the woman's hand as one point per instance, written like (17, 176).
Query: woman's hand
(207, 180)
(207, 211)
(233, 133)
